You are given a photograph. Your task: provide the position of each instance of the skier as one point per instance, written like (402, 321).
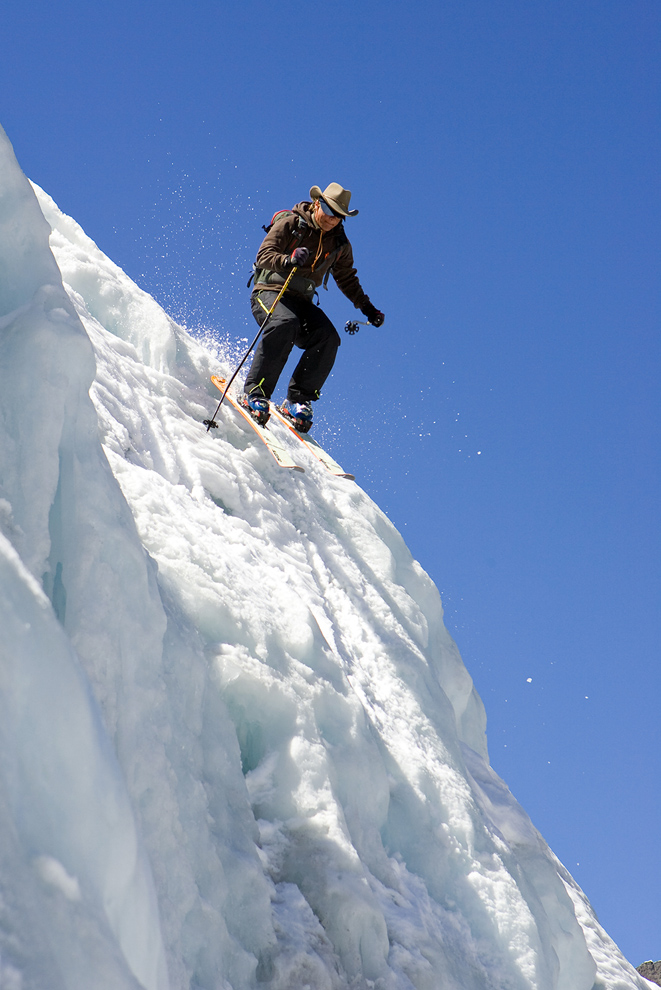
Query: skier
(310, 237)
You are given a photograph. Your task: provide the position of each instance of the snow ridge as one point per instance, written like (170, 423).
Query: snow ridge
(240, 748)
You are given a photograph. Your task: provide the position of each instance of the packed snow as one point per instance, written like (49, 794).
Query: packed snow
(239, 747)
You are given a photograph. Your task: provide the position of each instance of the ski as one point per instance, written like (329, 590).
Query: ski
(329, 463)
(276, 449)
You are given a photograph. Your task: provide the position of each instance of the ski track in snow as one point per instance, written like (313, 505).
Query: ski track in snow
(297, 791)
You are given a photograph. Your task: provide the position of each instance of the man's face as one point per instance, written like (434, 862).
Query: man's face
(324, 221)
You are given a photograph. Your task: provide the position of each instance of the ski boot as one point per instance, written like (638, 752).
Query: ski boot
(299, 414)
(257, 406)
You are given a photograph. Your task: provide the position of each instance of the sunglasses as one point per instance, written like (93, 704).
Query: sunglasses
(328, 210)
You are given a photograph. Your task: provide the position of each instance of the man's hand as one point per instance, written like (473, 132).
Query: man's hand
(299, 256)
(374, 315)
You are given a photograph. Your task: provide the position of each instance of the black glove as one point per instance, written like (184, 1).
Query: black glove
(299, 256)
(375, 317)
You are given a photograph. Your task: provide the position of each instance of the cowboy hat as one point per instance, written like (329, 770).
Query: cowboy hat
(337, 198)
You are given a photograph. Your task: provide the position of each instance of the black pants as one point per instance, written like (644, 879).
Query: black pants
(295, 321)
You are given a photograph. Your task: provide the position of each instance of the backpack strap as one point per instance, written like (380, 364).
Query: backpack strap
(299, 228)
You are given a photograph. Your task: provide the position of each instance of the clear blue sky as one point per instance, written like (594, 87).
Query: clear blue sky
(503, 157)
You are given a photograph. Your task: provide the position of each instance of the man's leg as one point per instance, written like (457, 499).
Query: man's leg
(274, 346)
(319, 340)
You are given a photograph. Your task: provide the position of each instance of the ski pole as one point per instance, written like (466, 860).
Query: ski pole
(351, 326)
(211, 423)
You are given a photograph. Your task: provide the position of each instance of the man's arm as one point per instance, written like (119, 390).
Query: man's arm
(346, 277)
(275, 250)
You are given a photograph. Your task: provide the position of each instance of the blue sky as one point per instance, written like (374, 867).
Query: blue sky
(503, 157)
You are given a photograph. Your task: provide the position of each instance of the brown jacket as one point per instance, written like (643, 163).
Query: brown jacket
(331, 248)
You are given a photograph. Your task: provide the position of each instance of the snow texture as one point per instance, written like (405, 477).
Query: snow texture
(239, 747)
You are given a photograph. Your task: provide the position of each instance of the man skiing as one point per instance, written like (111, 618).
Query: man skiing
(311, 239)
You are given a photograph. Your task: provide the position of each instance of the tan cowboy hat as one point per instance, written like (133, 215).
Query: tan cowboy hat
(337, 198)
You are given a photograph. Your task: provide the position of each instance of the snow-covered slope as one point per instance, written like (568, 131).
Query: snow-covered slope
(239, 747)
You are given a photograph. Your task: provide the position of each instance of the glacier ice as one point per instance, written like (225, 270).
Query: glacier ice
(239, 747)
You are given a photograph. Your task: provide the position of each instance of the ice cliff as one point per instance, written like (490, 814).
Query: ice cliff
(239, 748)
